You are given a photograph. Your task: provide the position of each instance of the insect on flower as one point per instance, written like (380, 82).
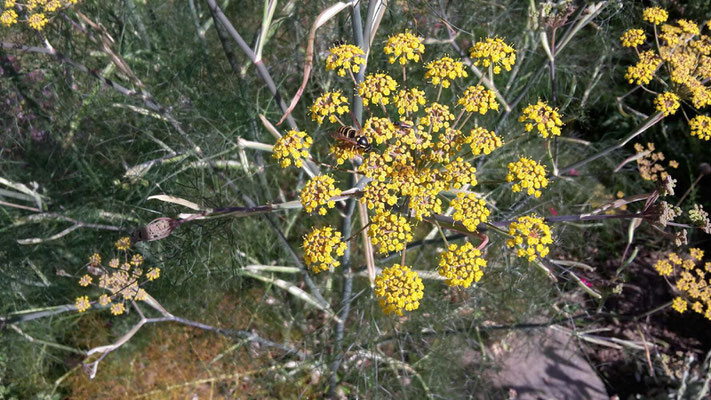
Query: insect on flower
(353, 137)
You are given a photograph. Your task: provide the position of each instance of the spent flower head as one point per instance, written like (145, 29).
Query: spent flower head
(404, 47)
(461, 265)
(398, 289)
(292, 148)
(321, 247)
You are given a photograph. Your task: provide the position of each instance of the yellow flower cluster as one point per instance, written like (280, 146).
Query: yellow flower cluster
(389, 232)
(343, 152)
(398, 289)
(38, 10)
(118, 280)
(461, 265)
(122, 244)
(470, 210)
(317, 194)
(9, 18)
(633, 38)
(691, 280)
(330, 104)
(458, 173)
(319, 248)
(543, 117)
(483, 141)
(478, 99)
(450, 143)
(413, 137)
(292, 147)
(82, 303)
(441, 71)
(701, 127)
(667, 103)
(409, 101)
(437, 117)
(493, 51)
(377, 195)
(37, 21)
(377, 88)
(85, 280)
(345, 57)
(531, 237)
(424, 201)
(404, 47)
(686, 55)
(379, 129)
(655, 15)
(643, 72)
(529, 175)
(649, 163)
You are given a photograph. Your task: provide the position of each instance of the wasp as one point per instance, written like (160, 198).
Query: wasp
(353, 137)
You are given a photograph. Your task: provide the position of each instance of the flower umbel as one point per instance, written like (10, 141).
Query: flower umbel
(329, 104)
(404, 47)
(470, 210)
(478, 99)
(461, 265)
(483, 141)
(493, 51)
(389, 232)
(655, 15)
(667, 103)
(292, 148)
(377, 88)
(317, 194)
(543, 117)
(409, 101)
(632, 38)
(441, 71)
(82, 303)
(531, 236)
(701, 127)
(398, 289)
(346, 57)
(530, 176)
(319, 248)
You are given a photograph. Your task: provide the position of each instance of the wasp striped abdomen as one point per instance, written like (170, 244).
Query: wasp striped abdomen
(353, 137)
